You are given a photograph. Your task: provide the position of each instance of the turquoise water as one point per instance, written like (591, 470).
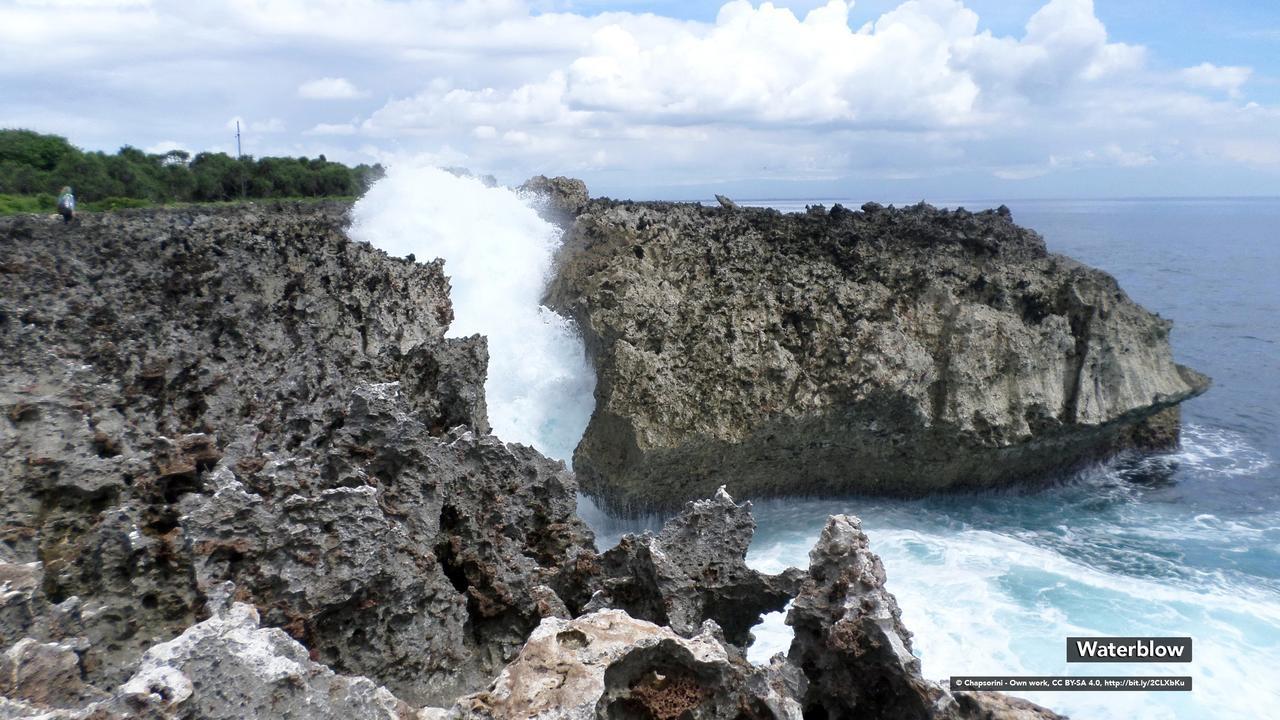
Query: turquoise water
(1181, 544)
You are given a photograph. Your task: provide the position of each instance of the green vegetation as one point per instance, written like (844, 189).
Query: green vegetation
(33, 167)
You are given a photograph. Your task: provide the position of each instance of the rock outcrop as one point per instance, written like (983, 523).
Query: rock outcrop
(609, 665)
(562, 198)
(851, 656)
(855, 652)
(695, 570)
(243, 474)
(193, 397)
(892, 351)
(224, 668)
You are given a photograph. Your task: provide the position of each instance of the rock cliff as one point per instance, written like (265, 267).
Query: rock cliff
(243, 474)
(695, 570)
(193, 397)
(851, 656)
(893, 351)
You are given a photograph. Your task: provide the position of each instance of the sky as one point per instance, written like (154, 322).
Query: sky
(677, 99)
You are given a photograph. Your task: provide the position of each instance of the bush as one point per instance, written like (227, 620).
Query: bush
(115, 203)
(13, 204)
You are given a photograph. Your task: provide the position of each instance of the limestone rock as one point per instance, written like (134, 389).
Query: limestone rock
(563, 197)
(421, 563)
(892, 351)
(229, 668)
(22, 601)
(853, 648)
(695, 570)
(194, 396)
(45, 675)
(609, 665)
(997, 706)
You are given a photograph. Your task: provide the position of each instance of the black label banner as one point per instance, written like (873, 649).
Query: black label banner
(1129, 649)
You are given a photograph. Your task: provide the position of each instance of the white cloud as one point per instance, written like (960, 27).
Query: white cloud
(1253, 152)
(270, 125)
(922, 66)
(922, 91)
(1110, 155)
(1228, 78)
(165, 146)
(333, 129)
(329, 89)
(1021, 172)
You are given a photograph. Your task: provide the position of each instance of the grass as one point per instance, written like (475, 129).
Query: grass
(14, 204)
(45, 203)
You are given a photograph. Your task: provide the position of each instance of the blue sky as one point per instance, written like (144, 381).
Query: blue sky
(924, 99)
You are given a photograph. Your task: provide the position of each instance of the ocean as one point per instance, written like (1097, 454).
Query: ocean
(1181, 544)
(1185, 543)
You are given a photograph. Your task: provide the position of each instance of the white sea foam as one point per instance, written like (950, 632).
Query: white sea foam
(498, 253)
(985, 603)
(1220, 451)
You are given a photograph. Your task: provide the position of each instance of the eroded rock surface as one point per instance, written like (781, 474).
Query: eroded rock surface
(853, 648)
(695, 570)
(227, 668)
(198, 396)
(897, 351)
(563, 198)
(609, 665)
(224, 668)
(244, 474)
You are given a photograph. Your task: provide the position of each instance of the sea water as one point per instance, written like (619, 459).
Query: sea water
(1185, 543)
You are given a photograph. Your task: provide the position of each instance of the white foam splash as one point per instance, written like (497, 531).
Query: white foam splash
(985, 603)
(1220, 451)
(498, 253)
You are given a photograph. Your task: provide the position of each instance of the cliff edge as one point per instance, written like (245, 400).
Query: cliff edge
(244, 474)
(195, 397)
(891, 351)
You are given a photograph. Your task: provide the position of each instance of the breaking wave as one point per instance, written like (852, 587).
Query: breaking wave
(498, 253)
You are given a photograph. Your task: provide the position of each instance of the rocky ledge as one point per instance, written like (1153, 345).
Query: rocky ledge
(891, 351)
(195, 397)
(243, 474)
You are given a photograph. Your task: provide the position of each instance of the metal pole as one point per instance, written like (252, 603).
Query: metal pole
(239, 164)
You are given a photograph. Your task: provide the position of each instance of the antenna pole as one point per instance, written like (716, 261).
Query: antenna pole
(239, 165)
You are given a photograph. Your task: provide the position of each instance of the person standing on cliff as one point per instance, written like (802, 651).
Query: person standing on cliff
(67, 205)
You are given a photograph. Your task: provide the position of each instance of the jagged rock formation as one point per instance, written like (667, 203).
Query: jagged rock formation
(609, 665)
(228, 668)
(244, 474)
(198, 396)
(695, 570)
(849, 633)
(897, 351)
(224, 668)
(851, 656)
(851, 644)
(562, 198)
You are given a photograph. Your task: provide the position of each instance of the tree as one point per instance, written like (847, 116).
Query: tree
(31, 163)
